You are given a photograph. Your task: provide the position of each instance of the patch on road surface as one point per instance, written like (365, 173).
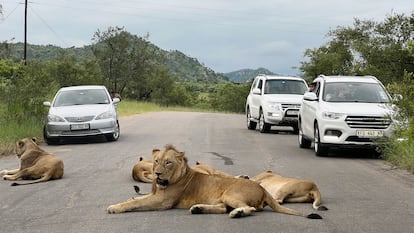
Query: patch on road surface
(227, 160)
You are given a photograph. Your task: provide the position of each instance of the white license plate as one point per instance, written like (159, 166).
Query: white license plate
(369, 133)
(79, 126)
(292, 112)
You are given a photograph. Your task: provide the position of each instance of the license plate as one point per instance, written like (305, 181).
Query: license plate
(292, 112)
(369, 133)
(79, 126)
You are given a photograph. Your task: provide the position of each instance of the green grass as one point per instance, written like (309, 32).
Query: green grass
(128, 107)
(11, 131)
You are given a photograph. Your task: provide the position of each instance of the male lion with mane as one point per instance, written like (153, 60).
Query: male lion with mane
(35, 164)
(285, 189)
(176, 185)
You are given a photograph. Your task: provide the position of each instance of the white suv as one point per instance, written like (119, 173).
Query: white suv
(274, 100)
(344, 111)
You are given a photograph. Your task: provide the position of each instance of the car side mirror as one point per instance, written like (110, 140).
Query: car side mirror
(257, 91)
(116, 100)
(310, 96)
(46, 103)
(397, 97)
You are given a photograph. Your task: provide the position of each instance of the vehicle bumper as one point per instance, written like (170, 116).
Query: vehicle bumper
(63, 129)
(341, 135)
(287, 117)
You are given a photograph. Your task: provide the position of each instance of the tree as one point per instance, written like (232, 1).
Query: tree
(368, 47)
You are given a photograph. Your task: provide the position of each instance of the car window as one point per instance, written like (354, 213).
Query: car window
(355, 92)
(81, 97)
(281, 86)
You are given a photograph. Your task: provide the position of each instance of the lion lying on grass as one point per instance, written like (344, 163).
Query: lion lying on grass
(285, 189)
(176, 185)
(35, 164)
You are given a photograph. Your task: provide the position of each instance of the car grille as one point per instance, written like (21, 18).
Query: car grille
(79, 119)
(368, 122)
(358, 139)
(290, 106)
(80, 132)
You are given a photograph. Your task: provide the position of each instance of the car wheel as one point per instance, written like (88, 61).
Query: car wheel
(263, 126)
(303, 142)
(115, 135)
(250, 124)
(320, 149)
(295, 129)
(49, 141)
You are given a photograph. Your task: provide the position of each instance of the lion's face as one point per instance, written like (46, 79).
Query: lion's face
(169, 166)
(25, 144)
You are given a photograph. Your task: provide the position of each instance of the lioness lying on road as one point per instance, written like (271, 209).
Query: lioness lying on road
(176, 185)
(285, 189)
(142, 170)
(35, 164)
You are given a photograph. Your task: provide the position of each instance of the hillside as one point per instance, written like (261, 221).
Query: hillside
(183, 67)
(245, 75)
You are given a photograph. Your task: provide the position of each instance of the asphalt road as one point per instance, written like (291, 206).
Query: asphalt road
(362, 194)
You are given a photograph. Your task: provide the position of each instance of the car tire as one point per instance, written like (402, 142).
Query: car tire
(49, 141)
(263, 126)
(111, 137)
(303, 142)
(295, 129)
(320, 148)
(250, 124)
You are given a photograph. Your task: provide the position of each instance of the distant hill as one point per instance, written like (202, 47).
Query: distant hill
(245, 75)
(183, 67)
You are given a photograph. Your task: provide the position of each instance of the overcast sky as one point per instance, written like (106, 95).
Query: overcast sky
(224, 35)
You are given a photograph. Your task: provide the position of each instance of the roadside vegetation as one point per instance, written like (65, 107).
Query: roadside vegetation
(150, 79)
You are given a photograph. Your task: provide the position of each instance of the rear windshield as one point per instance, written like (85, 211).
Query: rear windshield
(355, 92)
(81, 97)
(295, 87)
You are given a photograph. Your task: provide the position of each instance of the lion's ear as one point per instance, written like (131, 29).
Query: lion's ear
(34, 139)
(20, 143)
(181, 155)
(141, 158)
(155, 151)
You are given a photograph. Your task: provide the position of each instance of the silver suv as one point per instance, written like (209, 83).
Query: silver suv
(344, 111)
(274, 100)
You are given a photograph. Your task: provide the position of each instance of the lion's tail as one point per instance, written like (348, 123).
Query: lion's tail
(281, 209)
(42, 179)
(317, 200)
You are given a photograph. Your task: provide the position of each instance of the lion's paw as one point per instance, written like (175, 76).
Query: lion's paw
(196, 210)
(236, 213)
(112, 209)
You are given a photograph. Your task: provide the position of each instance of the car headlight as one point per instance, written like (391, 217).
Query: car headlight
(105, 115)
(274, 106)
(332, 115)
(54, 118)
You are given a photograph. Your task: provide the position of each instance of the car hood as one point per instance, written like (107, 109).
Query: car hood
(283, 98)
(80, 110)
(359, 108)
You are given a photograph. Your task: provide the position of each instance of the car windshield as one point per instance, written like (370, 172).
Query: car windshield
(81, 97)
(355, 92)
(281, 86)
